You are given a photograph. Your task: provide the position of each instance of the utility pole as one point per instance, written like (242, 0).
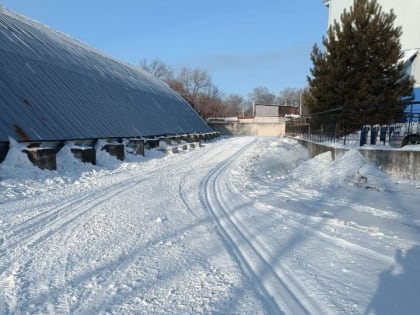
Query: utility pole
(300, 104)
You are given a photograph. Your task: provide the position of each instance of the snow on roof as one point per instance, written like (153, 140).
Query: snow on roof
(54, 87)
(409, 54)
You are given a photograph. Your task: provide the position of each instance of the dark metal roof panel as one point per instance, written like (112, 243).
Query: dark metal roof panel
(53, 87)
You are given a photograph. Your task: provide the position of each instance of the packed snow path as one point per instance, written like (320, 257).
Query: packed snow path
(240, 226)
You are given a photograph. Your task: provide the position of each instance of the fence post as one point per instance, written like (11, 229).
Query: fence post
(373, 135)
(382, 134)
(363, 135)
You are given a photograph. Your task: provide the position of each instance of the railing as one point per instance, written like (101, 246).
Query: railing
(331, 126)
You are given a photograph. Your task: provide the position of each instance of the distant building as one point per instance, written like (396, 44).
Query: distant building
(269, 120)
(407, 16)
(262, 110)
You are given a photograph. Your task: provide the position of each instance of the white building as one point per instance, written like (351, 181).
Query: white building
(407, 16)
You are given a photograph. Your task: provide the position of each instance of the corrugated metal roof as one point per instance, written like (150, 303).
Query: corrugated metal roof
(53, 87)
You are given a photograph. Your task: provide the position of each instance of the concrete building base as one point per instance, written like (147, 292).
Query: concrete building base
(4, 148)
(137, 145)
(43, 154)
(86, 155)
(151, 143)
(115, 149)
(44, 158)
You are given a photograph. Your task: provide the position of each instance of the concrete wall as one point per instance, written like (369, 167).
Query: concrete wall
(402, 164)
(250, 128)
(316, 148)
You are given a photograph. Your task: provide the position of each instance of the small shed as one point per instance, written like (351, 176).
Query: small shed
(264, 110)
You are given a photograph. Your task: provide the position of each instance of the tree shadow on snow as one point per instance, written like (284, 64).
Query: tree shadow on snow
(398, 290)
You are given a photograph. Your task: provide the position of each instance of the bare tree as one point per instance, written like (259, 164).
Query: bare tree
(289, 96)
(157, 68)
(235, 105)
(262, 95)
(210, 103)
(196, 87)
(194, 82)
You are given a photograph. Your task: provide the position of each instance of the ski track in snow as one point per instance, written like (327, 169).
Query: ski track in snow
(39, 232)
(100, 297)
(250, 254)
(240, 226)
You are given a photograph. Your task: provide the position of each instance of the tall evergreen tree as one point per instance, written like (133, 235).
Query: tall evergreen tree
(361, 68)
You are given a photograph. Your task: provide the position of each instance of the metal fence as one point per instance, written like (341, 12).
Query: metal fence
(330, 126)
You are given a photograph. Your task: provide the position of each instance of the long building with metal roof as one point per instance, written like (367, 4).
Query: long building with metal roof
(53, 87)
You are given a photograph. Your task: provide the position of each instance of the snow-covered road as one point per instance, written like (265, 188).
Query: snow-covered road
(241, 226)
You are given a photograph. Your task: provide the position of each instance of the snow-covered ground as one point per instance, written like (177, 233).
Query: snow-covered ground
(241, 226)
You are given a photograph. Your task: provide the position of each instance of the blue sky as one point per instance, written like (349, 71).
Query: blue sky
(242, 44)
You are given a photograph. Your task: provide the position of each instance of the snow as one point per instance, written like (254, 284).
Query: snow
(243, 225)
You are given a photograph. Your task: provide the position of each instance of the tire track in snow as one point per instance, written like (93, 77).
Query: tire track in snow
(99, 297)
(67, 217)
(280, 293)
(23, 262)
(183, 181)
(55, 213)
(183, 195)
(59, 217)
(43, 232)
(24, 234)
